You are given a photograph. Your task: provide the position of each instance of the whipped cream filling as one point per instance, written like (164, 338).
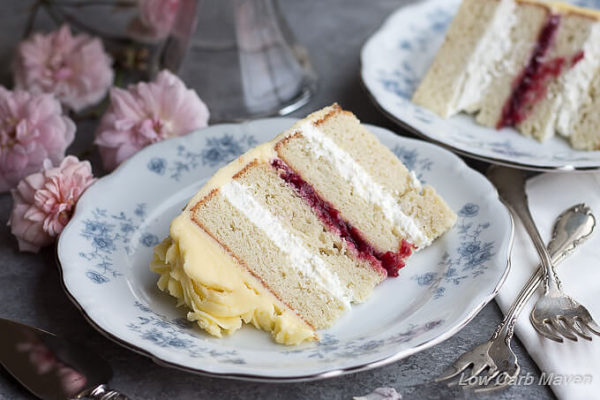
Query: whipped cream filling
(483, 63)
(576, 81)
(302, 260)
(415, 182)
(363, 184)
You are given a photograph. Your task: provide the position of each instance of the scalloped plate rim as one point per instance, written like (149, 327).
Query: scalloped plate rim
(455, 326)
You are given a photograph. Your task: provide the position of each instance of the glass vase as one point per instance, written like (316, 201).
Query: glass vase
(241, 58)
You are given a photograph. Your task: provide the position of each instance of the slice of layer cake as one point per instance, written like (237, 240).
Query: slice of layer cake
(477, 39)
(572, 38)
(289, 235)
(529, 18)
(534, 79)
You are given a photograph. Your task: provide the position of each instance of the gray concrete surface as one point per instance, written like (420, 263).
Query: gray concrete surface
(30, 291)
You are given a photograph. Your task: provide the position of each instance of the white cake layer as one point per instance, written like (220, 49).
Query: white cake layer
(304, 261)
(363, 184)
(492, 48)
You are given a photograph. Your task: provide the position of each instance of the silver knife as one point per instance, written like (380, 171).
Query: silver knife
(51, 367)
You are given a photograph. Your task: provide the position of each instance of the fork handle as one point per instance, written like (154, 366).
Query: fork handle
(511, 188)
(507, 327)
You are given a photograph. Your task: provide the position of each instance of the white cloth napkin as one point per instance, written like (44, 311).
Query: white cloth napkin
(549, 195)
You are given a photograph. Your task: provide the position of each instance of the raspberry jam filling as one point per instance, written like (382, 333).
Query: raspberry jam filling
(330, 216)
(531, 86)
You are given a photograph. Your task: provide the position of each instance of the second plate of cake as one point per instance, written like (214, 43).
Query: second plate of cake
(106, 250)
(397, 57)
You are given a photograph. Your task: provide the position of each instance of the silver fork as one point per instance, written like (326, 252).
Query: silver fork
(495, 357)
(555, 315)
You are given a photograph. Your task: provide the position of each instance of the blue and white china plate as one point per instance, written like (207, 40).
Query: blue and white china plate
(395, 59)
(105, 250)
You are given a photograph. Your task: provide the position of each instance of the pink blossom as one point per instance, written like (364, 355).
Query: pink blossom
(75, 68)
(147, 113)
(44, 202)
(32, 128)
(158, 16)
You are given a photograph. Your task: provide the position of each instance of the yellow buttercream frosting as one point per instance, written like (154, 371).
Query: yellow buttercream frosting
(220, 293)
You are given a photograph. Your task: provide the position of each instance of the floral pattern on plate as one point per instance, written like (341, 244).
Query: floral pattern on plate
(469, 260)
(217, 151)
(105, 231)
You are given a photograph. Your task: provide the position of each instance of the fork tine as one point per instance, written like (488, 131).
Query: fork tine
(558, 326)
(591, 326)
(481, 375)
(452, 371)
(579, 330)
(582, 327)
(501, 382)
(543, 330)
(493, 372)
(478, 368)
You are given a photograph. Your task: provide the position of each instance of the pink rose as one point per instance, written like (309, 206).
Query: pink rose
(44, 202)
(32, 128)
(158, 16)
(75, 68)
(147, 113)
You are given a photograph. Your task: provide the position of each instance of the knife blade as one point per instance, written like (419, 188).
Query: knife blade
(51, 367)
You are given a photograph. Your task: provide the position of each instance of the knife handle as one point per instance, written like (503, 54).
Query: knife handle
(103, 392)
